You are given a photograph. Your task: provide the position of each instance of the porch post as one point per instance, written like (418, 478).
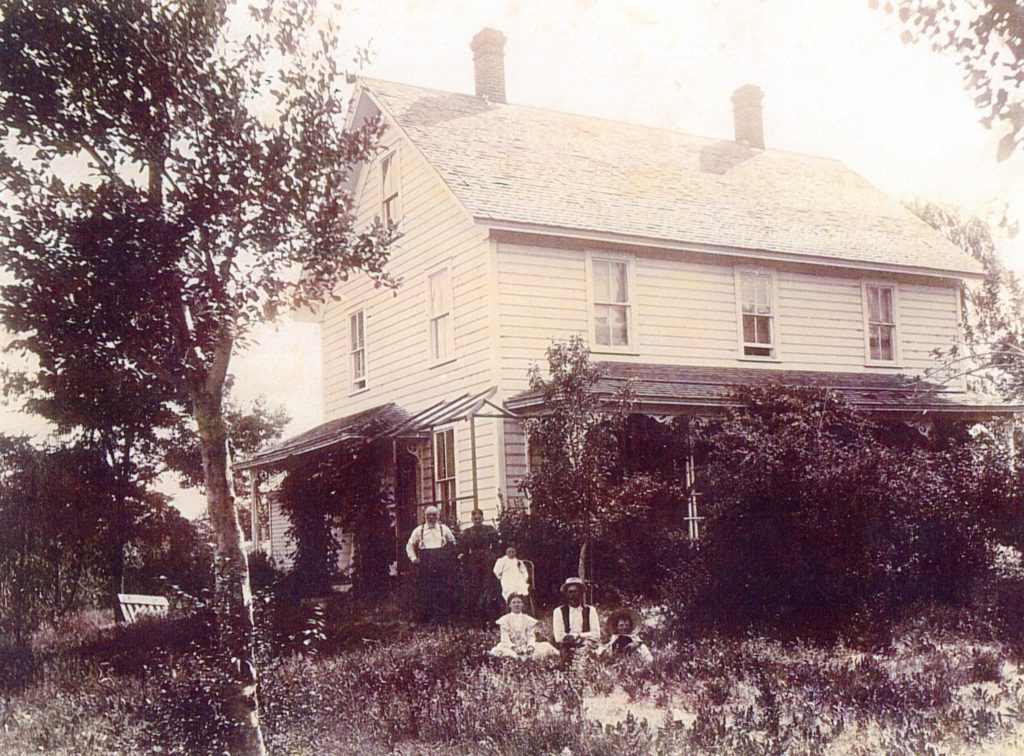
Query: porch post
(472, 453)
(254, 518)
(398, 509)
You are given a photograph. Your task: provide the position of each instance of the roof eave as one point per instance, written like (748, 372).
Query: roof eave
(665, 406)
(591, 235)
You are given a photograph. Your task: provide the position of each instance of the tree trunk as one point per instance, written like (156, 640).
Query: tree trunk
(233, 595)
(581, 568)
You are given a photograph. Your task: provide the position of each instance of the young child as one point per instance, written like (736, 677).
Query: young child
(624, 629)
(511, 573)
(519, 634)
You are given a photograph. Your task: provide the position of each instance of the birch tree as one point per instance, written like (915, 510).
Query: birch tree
(168, 168)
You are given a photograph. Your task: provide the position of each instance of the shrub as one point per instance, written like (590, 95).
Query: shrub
(812, 518)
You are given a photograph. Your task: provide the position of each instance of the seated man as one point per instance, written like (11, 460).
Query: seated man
(574, 624)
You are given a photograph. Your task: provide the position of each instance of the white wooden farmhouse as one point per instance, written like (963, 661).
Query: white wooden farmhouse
(690, 264)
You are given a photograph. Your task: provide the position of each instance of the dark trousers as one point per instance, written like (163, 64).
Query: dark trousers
(434, 584)
(479, 586)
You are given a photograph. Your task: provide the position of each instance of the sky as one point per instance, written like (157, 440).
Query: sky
(837, 81)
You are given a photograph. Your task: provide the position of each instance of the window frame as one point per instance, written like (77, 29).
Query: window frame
(629, 260)
(353, 381)
(452, 478)
(390, 203)
(892, 286)
(774, 346)
(433, 359)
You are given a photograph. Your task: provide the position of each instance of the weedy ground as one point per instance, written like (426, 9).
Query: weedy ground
(353, 681)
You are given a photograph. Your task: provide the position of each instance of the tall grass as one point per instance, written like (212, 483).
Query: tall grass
(383, 686)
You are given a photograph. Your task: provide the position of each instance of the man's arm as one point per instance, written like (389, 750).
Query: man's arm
(557, 628)
(595, 627)
(446, 534)
(410, 547)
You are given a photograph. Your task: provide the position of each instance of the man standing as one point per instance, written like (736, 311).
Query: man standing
(574, 624)
(430, 548)
(476, 550)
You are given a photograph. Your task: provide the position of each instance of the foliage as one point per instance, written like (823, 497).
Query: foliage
(986, 39)
(938, 688)
(170, 551)
(251, 427)
(339, 487)
(577, 485)
(808, 507)
(992, 353)
(211, 166)
(52, 509)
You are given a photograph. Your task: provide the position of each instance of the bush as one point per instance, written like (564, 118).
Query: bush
(813, 519)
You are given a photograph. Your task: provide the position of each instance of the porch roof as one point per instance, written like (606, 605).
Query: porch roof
(385, 421)
(365, 425)
(682, 389)
(450, 411)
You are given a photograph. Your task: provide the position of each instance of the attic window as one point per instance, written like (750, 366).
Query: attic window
(389, 212)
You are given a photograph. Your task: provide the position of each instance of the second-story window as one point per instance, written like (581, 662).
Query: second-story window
(439, 285)
(755, 289)
(389, 212)
(881, 322)
(357, 349)
(612, 303)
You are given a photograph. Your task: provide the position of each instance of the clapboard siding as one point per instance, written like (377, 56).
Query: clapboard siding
(436, 231)
(282, 547)
(685, 313)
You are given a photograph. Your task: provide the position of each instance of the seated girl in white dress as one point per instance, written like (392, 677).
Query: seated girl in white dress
(519, 634)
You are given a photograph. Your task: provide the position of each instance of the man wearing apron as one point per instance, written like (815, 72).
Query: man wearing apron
(431, 549)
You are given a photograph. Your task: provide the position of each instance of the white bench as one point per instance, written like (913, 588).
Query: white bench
(132, 606)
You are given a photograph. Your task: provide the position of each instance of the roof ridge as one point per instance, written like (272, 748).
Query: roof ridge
(603, 119)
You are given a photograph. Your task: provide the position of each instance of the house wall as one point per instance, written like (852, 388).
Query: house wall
(436, 230)
(685, 312)
(282, 548)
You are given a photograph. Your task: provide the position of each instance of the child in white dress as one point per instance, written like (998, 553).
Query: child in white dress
(519, 634)
(511, 573)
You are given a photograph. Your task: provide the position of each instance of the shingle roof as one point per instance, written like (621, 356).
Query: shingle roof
(364, 425)
(672, 388)
(527, 165)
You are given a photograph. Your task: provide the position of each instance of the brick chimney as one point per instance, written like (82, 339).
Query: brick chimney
(488, 48)
(746, 110)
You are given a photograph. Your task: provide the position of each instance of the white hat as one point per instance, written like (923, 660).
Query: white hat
(572, 581)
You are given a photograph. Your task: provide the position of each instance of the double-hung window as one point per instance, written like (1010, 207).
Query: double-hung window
(439, 315)
(880, 315)
(389, 212)
(612, 301)
(756, 294)
(357, 349)
(444, 469)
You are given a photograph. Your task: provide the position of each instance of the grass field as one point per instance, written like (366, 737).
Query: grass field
(369, 685)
